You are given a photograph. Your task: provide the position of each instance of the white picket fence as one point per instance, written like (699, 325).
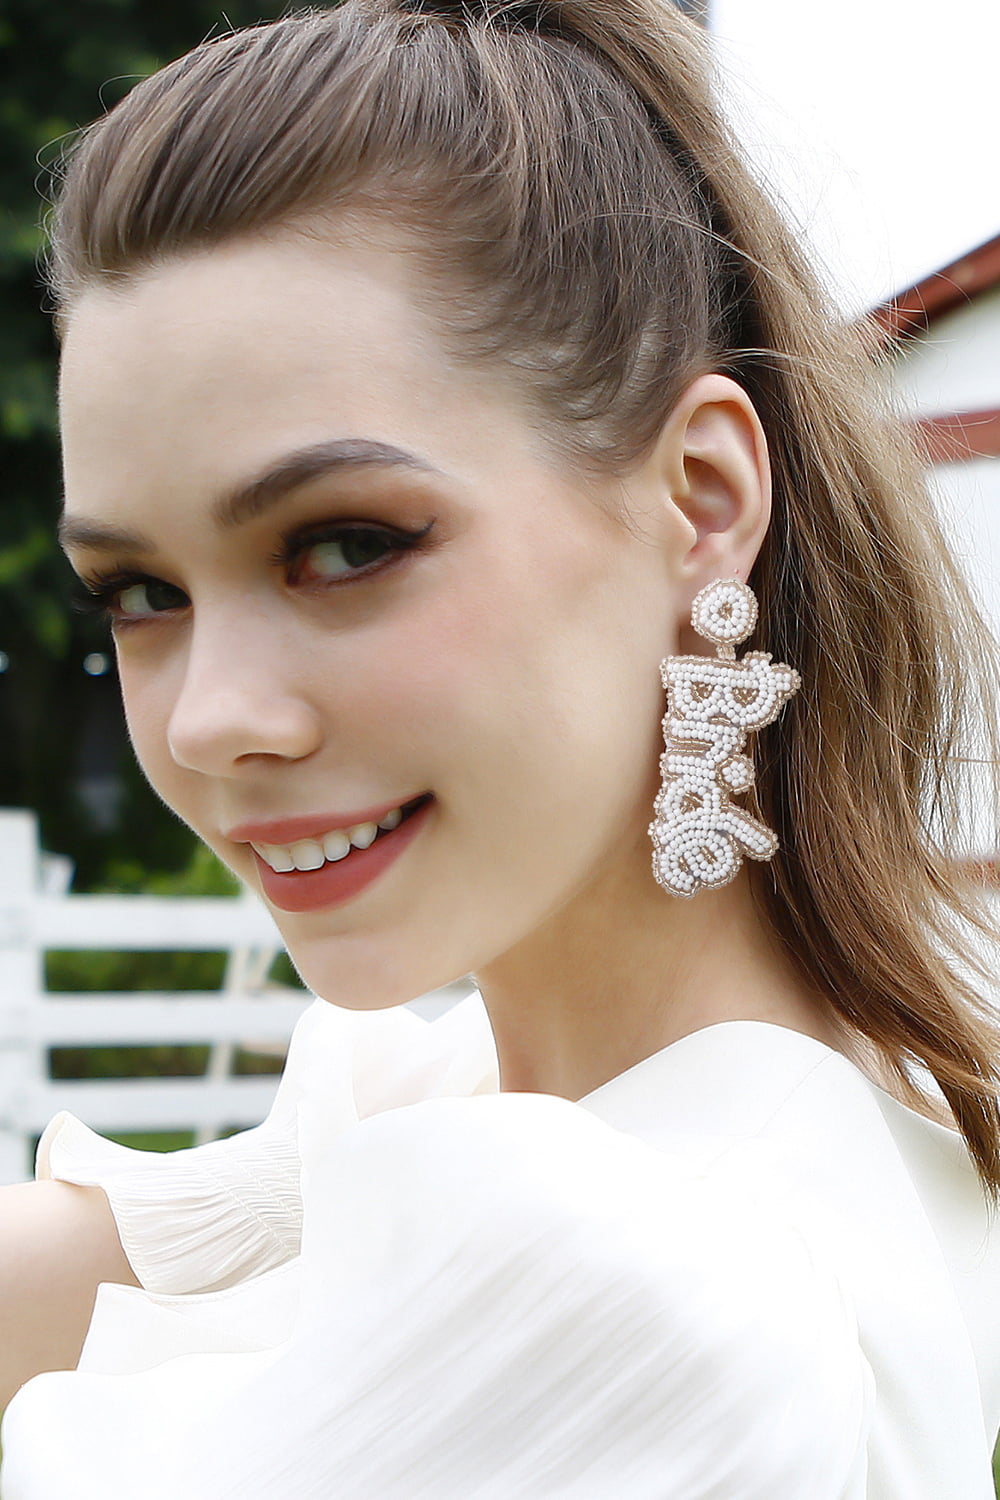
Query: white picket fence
(34, 919)
(36, 915)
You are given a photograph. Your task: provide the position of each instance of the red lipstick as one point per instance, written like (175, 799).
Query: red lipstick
(337, 881)
(311, 825)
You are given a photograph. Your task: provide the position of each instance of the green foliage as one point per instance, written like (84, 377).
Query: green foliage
(155, 1140)
(203, 875)
(100, 972)
(61, 65)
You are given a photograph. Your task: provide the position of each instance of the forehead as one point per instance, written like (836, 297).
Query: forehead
(204, 368)
(289, 299)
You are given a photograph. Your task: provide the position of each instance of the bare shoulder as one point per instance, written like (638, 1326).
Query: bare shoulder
(58, 1241)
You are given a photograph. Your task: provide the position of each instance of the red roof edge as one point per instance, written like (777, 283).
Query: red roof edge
(915, 309)
(984, 870)
(957, 437)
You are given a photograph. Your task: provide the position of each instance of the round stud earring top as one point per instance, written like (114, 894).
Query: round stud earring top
(724, 612)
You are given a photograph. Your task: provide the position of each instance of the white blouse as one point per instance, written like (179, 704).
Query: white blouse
(739, 1271)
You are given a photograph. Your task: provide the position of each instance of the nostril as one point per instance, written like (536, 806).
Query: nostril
(216, 730)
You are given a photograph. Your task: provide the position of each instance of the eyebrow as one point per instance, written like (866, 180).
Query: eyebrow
(250, 500)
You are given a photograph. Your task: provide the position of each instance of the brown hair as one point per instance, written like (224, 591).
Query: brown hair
(563, 173)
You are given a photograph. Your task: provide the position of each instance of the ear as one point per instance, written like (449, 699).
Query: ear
(713, 472)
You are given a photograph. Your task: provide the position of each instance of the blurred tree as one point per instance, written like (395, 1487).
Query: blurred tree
(61, 65)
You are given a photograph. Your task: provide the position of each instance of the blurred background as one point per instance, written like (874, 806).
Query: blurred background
(126, 1010)
(63, 749)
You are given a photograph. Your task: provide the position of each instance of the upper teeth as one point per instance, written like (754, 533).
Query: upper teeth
(310, 854)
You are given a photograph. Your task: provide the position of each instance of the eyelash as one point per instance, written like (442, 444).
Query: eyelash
(299, 543)
(102, 590)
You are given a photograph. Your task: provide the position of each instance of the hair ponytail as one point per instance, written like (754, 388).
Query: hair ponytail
(571, 187)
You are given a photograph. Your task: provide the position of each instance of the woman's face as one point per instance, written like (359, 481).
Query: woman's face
(345, 574)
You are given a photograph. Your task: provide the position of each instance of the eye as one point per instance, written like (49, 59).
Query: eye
(338, 553)
(349, 552)
(128, 597)
(151, 596)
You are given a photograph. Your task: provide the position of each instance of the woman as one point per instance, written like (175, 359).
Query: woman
(434, 379)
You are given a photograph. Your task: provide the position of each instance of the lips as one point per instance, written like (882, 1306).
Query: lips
(338, 881)
(312, 825)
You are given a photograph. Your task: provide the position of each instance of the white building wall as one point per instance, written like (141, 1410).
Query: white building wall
(968, 496)
(955, 368)
(955, 365)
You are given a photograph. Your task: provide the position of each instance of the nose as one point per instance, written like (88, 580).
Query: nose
(240, 699)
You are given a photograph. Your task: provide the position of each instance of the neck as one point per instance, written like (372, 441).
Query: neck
(623, 970)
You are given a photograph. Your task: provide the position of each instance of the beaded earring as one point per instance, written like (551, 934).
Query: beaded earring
(699, 836)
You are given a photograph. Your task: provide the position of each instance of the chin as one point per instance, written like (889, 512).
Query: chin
(355, 974)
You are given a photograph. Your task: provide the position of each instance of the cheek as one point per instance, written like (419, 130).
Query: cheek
(531, 699)
(148, 698)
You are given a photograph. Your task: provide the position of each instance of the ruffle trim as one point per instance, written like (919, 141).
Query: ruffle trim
(204, 1219)
(189, 1221)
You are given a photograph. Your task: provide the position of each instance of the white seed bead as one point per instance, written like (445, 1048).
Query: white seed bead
(724, 612)
(699, 837)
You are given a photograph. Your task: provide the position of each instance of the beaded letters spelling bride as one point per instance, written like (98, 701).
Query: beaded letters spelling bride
(699, 836)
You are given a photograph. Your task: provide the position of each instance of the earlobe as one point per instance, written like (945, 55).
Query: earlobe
(714, 463)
